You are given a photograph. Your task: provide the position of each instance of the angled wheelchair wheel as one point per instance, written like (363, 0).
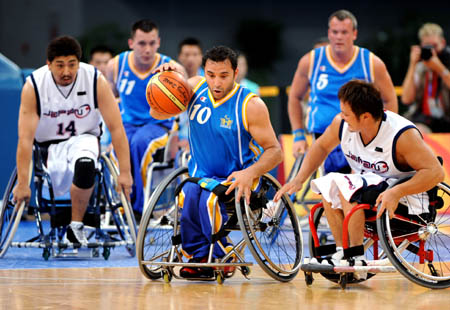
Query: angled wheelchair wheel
(158, 225)
(419, 246)
(372, 249)
(10, 215)
(272, 231)
(119, 206)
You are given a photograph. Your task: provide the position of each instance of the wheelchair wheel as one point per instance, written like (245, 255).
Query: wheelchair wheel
(121, 211)
(272, 231)
(325, 238)
(10, 215)
(419, 247)
(158, 224)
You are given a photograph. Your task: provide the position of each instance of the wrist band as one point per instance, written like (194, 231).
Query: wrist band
(299, 135)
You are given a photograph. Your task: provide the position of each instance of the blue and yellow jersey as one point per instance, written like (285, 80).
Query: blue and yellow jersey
(131, 85)
(218, 132)
(325, 79)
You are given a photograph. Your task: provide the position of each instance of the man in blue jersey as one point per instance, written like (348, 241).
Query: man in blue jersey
(231, 140)
(324, 70)
(128, 74)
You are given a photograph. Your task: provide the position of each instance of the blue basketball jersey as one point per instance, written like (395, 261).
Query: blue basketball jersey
(131, 85)
(326, 78)
(218, 133)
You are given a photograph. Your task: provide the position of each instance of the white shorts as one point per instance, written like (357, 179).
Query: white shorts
(331, 184)
(62, 157)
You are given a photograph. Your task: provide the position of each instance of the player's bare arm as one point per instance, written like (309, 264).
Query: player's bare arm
(382, 80)
(413, 152)
(299, 88)
(261, 130)
(28, 122)
(111, 115)
(314, 158)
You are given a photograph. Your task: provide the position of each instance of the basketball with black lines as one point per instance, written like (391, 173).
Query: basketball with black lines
(168, 92)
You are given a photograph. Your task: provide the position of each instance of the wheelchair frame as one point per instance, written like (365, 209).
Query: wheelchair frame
(160, 228)
(405, 253)
(53, 244)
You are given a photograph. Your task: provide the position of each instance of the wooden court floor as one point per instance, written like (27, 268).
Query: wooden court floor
(126, 288)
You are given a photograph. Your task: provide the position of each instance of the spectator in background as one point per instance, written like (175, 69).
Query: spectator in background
(427, 82)
(190, 56)
(100, 55)
(242, 73)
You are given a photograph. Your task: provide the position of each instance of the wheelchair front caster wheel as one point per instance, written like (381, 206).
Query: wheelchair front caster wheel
(46, 254)
(167, 276)
(246, 271)
(309, 279)
(220, 277)
(106, 253)
(343, 281)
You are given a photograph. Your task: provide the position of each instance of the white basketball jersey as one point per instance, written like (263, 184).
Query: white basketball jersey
(62, 117)
(378, 156)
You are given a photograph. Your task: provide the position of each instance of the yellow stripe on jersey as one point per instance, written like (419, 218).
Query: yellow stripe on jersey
(254, 148)
(224, 99)
(311, 63)
(200, 83)
(213, 203)
(171, 96)
(371, 66)
(181, 197)
(347, 65)
(140, 74)
(148, 155)
(244, 109)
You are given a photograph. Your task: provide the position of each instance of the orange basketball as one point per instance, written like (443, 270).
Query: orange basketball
(168, 92)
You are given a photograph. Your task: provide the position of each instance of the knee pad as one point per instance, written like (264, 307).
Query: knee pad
(84, 174)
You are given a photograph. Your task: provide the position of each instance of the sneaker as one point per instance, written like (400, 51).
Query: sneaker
(75, 234)
(335, 259)
(360, 261)
(197, 272)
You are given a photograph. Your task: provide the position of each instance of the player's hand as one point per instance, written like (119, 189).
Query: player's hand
(165, 67)
(299, 148)
(414, 55)
(387, 200)
(125, 181)
(290, 188)
(243, 181)
(21, 193)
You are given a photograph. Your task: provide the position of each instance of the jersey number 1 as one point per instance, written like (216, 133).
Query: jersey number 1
(70, 128)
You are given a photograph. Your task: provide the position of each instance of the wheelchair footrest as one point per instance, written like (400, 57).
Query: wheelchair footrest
(69, 245)
(376, 266)
(177, 264)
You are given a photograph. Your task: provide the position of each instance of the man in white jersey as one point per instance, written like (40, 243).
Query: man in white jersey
(323, 71)
(61, 108)
(380, 147)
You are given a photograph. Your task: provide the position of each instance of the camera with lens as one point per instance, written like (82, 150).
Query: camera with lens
(426, 52)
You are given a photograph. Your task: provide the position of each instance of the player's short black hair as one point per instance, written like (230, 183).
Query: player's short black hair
(362, 97)
(220, 54)
(144, 25)
(343, 15)
(101, 49)
(189, 41)
(63, 46)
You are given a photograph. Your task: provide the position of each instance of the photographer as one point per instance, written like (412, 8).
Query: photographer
(427, 82)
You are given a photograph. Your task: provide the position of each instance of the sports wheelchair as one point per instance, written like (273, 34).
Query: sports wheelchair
(164, 163)
(418, 246)
(270, 230)
(109, 215)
